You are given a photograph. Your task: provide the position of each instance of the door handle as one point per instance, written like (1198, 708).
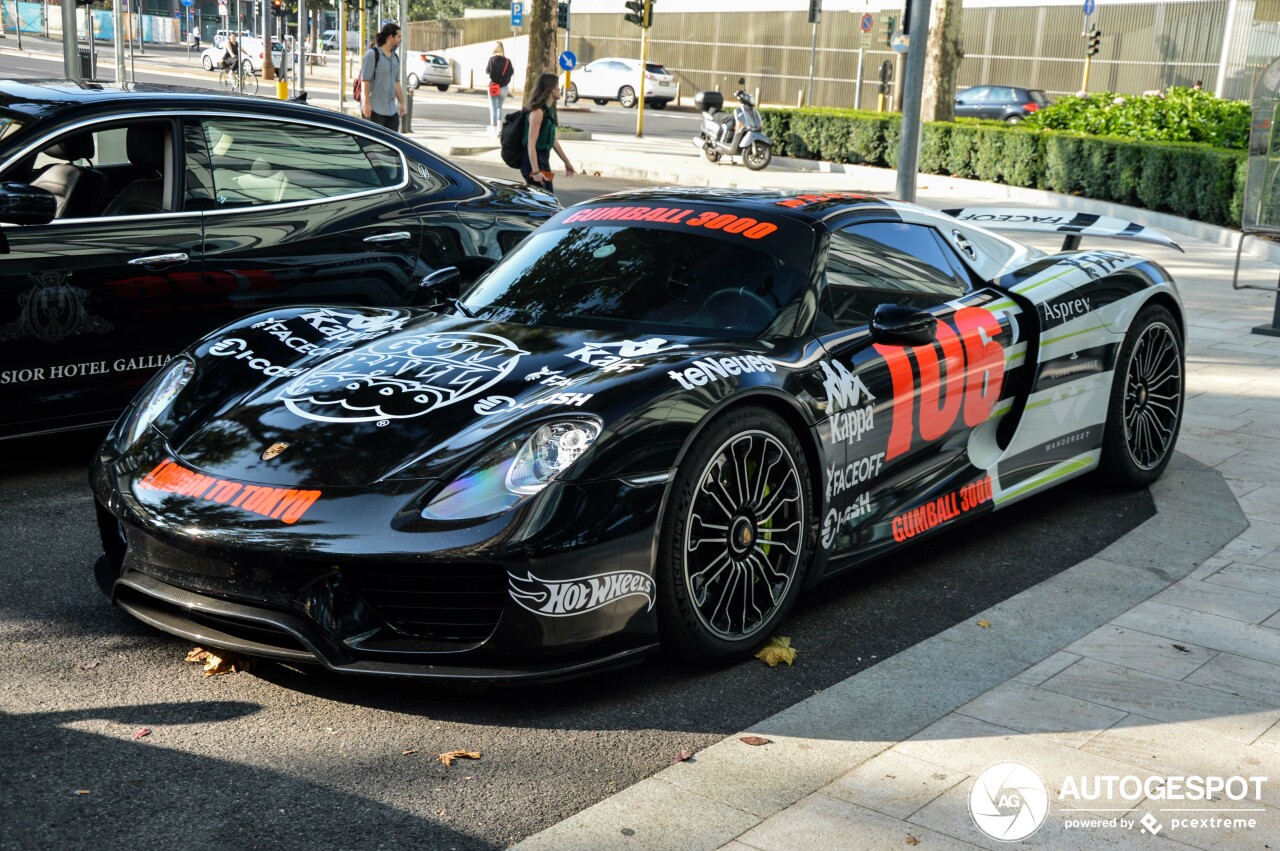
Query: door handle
(396, 236)
(160, 260)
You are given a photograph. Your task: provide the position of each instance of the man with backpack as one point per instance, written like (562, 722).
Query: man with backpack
(381, 95)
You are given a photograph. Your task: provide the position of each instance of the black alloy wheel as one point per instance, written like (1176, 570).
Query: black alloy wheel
(1146, 400)
(737, 538)
(757, 156)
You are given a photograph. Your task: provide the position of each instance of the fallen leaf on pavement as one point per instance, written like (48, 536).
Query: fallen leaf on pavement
(215, 664)
(448, 758)
(88, 666)
(756, 741)
(1180, 647)
(911, 840)
(984, 624)
(406, 753)
(141, 732)
(778, 649)
(683, 756)
(82, 791)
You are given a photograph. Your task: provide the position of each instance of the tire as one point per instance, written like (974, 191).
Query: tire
(599, 101)
(722, 481)
(627, 97)
(1147, 398)
(248, 67)
(413, 81)
(1013, 119)
(207, 63)
(710, 153)
(442, 87)
(657, 104)
(571, 96)
(758, 156)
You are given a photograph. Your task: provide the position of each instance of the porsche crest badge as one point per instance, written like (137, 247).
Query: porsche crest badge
(273, 450)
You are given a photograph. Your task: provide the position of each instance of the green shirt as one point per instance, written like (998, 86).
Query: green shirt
(546, 135)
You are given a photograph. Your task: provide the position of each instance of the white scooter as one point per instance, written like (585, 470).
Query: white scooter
(738, 134)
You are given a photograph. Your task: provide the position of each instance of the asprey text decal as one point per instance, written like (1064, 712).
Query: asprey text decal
(562, 598)
(972, 379)
(284, 504)
(707, 370)
(920, 520)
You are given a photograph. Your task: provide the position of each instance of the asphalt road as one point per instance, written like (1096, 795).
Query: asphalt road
(286, 758)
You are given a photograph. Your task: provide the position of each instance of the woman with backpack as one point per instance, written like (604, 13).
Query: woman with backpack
(500, 72)
(540, 134)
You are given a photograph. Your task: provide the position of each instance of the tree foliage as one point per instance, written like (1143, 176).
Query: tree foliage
(1182, 115)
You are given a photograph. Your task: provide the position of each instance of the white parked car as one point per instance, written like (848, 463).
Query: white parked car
(329, 40)
(619, 79)
(252, 53)
(428, 69)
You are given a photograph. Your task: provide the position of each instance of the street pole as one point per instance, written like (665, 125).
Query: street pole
(568, 75)
(302, 48)
(93, 51)
(268, 67)
(912, 89)
(813, 55)
(857, 87)
(342, 56)
(17, 21)
(406, 123)
(117, 41)
(644, 65)
(70, 59)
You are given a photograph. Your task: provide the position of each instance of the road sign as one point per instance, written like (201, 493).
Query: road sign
(899, 42)
(517, 14)
(188, 2)
(1089, 6)
(868, 23)
(568, 61)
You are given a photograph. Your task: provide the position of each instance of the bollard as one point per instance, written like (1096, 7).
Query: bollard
(471, 84)
(799, 98)
(406, 120)
(282, 88)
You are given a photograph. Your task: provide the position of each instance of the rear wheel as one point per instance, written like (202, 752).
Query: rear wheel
(1014, 119)
(710, 153)
(627, 96)
(736, 538)
(1146, 401)
(757, 156)
(571, 96)
(657, 104)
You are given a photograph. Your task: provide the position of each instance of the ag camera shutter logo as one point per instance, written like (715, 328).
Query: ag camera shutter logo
(1009, 802)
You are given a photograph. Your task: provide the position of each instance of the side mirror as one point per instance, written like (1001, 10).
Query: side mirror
(895, 325)
(446, 282)
(24, 204)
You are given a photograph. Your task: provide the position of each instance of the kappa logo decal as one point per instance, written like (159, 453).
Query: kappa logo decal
(404, 376)
(562, 598)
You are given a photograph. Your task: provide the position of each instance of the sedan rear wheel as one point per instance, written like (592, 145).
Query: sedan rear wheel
(571, 96)
(736, 539)
(1146, 400)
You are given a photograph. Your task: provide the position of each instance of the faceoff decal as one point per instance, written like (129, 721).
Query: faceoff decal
(284, 504)
(917, 521)
(401, 377)
(562, 598)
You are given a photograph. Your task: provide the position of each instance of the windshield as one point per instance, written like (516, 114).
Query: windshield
(652, 277)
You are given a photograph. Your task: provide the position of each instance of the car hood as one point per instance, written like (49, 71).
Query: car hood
(401, 394)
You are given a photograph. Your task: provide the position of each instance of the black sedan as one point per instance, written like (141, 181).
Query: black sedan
(134, 221)
(658, 418)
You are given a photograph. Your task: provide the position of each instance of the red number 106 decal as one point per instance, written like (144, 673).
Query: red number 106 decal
(969, 377)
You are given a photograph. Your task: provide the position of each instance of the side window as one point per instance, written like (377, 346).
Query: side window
(975, 95)
(1003, 95)
(262, 162)
(875, 263)
(619, 66)
(386, 161)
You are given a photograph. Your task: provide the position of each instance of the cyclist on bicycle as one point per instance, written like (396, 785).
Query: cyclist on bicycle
(231, 54)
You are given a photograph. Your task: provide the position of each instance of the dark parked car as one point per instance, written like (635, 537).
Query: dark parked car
(1000, 103)
(132, 222)
(659, 418)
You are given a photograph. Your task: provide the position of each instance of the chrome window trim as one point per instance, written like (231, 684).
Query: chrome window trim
(201, 115)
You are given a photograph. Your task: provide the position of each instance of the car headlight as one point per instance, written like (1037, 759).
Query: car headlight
(513, 471)
(155, 399)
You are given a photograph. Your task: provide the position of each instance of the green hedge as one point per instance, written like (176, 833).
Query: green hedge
(1189, 180)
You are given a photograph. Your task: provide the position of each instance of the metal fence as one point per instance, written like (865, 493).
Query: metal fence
(441, 35)
(1145, 46)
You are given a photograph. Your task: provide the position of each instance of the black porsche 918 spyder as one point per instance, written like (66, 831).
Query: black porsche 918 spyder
(658, 419)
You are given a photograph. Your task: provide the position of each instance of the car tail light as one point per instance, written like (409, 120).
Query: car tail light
(651, 76)
(259, 55)
(422, 56)
(1031, 107)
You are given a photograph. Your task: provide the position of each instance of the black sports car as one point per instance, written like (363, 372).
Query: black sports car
(134, 221)
(658, 418)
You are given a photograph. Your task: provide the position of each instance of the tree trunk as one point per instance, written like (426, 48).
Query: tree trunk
(541, 25)
(942, 61)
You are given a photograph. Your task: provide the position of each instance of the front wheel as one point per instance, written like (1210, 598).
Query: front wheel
(627, 97)
(657, 104)
(736, 538)
(413, 81)
(442, 87)
(757, 156)
(1147, 393)
(207, 62)
(571, 96)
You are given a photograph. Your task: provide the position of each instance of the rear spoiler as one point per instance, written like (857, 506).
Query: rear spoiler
(1072, 226)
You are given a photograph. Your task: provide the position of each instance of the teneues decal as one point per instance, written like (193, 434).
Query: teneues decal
(708, 370)
(284, 504)
(406, 375)
(558, 598)
(917, 521)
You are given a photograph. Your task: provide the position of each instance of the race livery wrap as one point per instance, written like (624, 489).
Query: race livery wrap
(654, 423)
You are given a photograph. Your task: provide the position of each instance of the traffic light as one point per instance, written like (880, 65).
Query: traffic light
(890, 27)
(1094, 42)
(277, 7)
(562, 15)
(636, 15)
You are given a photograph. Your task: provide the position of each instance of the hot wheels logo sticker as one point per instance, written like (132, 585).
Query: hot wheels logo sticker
(562, 598)
(402, 376)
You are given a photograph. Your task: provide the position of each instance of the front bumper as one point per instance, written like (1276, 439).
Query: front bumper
(357, 590)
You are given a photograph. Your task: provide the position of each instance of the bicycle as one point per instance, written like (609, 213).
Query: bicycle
(242, 78)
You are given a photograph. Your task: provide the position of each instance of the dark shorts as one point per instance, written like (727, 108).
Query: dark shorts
(391, 122)
(544, 164)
